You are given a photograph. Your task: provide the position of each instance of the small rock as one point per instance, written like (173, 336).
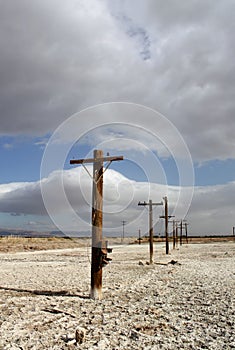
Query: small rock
(102, 344)
(80, 335)
(71, 342)
(134, 335)
(141, 263)
(67, 337)
(173, 262)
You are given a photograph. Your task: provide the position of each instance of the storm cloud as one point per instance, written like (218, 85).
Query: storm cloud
(59, 57)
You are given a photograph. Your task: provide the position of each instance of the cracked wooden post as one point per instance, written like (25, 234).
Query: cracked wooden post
(151, 231)
(176, 234)
(166, 217)
(150, 204)
(97, 221)
(166, 225)
(99, 250)
(186, 232)
(174, 240)
(181, 232)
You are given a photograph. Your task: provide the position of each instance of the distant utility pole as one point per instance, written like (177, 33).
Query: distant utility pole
(150, 204)
(177, 226)
(173, 232)
(99, 247)
(166, 217)
(181, 231)
(176, 233)
(139, 236)
(123, 224)
(186, 231)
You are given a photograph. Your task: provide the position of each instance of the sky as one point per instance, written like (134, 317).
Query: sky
(153, 81)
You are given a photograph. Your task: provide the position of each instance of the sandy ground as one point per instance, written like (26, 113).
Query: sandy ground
(44, 299)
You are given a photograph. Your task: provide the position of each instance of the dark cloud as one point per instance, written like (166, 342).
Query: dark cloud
(58, 57)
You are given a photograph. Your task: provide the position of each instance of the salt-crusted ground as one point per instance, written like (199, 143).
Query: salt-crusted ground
(188, 305)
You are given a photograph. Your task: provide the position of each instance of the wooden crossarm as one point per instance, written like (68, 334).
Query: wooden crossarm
(96, 160)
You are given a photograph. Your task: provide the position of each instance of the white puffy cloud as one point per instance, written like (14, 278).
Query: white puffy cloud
(210, 211)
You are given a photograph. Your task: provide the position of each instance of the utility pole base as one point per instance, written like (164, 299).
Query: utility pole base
(96, 293)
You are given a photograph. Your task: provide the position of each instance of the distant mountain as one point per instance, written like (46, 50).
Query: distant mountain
(25, 233)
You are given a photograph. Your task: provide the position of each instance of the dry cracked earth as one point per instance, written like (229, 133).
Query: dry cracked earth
(44, 299)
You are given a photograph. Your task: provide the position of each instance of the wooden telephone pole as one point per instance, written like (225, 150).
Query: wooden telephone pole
(139, 236)
(176, 233)
(186, 231)
(166, 217)
(181, 231)
(150, 204)
(173, 232)
(123, 232)
(177, 226)
(99, 248)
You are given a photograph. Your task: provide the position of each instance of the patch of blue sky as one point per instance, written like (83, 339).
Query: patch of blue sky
(20, 159)
(215, 172)
(137, 166)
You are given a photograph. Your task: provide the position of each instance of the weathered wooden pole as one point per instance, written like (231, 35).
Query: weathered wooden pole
(174, 234)
(181, 232)
(151, 231)
(150, 204)
(123, 233)
(139, 236)
(97, 222)
(186, 232)
(166, 225)
(99, 248)
(166, 217)
(233, 230)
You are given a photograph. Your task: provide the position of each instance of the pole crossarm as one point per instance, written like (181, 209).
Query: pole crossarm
(144, 203)
(96, 160)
